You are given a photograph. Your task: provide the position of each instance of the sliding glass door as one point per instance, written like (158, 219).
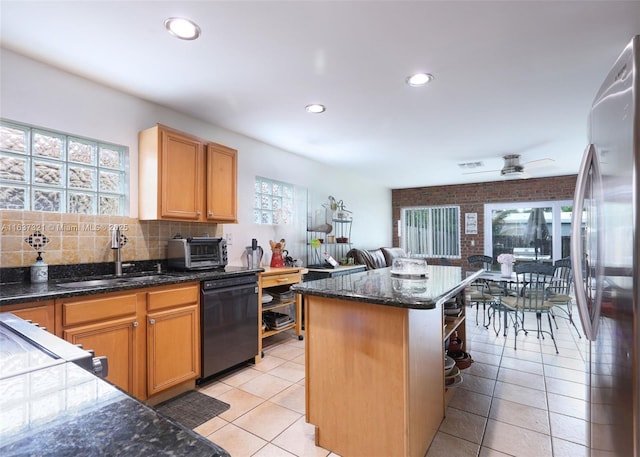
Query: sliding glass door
(531, 231)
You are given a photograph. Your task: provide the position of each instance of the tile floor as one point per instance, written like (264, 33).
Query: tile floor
(529, 402)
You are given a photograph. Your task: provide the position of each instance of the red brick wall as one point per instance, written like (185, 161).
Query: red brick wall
(472, 197)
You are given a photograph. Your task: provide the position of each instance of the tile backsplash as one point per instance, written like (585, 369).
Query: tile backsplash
(79, 238)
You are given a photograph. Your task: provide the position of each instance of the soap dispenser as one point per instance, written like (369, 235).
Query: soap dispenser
(39, 270)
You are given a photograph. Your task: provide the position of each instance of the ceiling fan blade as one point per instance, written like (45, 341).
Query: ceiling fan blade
(478, 172)
(538, 163)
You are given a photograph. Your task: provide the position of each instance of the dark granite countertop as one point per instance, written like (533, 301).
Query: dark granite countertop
(382, 287)
(21, 292)
(63, 410)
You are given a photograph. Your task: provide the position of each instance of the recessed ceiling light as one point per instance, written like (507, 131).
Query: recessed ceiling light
(419, 79)
(315, 108)
(182, 28)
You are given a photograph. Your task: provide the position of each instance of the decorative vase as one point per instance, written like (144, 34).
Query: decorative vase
(506, 269)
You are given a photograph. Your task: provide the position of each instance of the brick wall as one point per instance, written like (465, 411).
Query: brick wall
(472, 197)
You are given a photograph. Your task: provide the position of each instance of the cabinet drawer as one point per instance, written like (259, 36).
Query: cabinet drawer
(110, 307)
(278, 280)
(173, 297)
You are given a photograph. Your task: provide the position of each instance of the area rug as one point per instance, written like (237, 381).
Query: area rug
(192, 408)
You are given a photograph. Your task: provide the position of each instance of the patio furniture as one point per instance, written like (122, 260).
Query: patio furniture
(480, 291)
(560, 291)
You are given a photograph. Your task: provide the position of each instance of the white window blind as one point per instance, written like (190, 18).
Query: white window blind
(431, 231)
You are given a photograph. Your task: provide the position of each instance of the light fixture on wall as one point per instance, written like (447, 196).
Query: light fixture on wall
(182, 28)
(419, 79)
(315, 108)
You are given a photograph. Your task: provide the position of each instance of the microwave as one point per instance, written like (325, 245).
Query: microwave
(197, 253)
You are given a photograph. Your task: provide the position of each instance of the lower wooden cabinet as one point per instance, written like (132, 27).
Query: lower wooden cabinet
(151, 337)
(41, 313)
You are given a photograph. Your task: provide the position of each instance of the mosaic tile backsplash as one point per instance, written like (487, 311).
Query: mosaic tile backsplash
(77, 238)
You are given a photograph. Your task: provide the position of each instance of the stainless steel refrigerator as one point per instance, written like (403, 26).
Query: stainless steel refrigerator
(605, 249)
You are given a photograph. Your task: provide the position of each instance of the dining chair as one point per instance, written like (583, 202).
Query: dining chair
(481, 292)
(532, 296)
(560, 291)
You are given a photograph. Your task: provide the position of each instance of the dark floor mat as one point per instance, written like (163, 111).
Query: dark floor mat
(192, 408)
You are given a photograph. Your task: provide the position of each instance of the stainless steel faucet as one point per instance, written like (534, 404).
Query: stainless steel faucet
(115, 244)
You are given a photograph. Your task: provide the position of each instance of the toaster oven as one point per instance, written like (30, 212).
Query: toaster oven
(197, 253)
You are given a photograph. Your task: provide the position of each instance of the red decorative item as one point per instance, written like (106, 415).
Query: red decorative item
(277, 259)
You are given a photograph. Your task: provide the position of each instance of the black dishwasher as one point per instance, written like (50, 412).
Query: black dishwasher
(228, 323)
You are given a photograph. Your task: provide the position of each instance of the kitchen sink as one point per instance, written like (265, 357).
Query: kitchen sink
(94, 283)
(109, 281)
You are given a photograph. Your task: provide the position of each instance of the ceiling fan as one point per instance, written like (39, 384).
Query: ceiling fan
(512, 168)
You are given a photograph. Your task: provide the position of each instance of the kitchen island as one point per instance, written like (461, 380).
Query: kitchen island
(374, 359)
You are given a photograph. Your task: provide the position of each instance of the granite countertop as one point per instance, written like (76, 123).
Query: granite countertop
(20, 292)
(63, 410)
(381, 287)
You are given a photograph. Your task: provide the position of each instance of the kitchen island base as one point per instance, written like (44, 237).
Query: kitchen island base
(374, 377)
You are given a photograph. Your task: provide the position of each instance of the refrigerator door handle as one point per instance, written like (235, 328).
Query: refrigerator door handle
(589, 319)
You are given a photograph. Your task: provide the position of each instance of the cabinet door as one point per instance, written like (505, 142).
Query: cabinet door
(181, 176)
(173, 347)
(222, 171)
(115, 339)
(41, 313)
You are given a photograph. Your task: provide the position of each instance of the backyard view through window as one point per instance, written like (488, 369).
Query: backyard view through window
(431, 231)
(532, 231)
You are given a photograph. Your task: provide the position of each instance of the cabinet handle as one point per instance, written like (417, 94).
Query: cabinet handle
(210, 213)
(199, 213)
(283, 279)
(135, 324)
(152, 321)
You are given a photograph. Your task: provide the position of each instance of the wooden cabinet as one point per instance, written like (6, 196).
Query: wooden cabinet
(222, 176)
(451, 325)
(41, 313)
(275, 281)
(173, 337)
(185, 178)
(108, 325)
(151, 336)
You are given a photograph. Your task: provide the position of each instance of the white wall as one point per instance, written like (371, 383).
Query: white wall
(35, 93)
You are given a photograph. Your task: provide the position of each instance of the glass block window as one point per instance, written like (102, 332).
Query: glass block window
(274, 202)
(44, 170)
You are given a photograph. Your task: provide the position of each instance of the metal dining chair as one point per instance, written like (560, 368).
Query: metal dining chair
(480, 292)
(560, 291)
(532, 296)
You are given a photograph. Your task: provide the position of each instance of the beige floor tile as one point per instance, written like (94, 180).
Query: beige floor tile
(516, 441)
(564, 373)
(489, 359)
(562, 448)
(265, 386)
(567, 405)
(285, 351)
(445, 445)
(267, 420)
(520, 415)
(464, 425)
(486, 452)
(566, 388)
(240, 376)
(522, 354)
(520, 394)
(471, 402)
(210, 426)
(299, 359)
(568, 428)
(564, 362)
(272, 451)
(482, 370)
(214, 389)
(236, 441)
(521, 365)
(240, 402)
(487, 348)
(269, 363)
(521, 378)
(299, 439)
(292, 397)
(477, 384)
(289, 371)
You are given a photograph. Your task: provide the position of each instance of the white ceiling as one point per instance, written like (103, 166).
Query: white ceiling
(510, 76)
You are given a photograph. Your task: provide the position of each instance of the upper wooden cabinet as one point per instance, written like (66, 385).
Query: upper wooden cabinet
(184, 178)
